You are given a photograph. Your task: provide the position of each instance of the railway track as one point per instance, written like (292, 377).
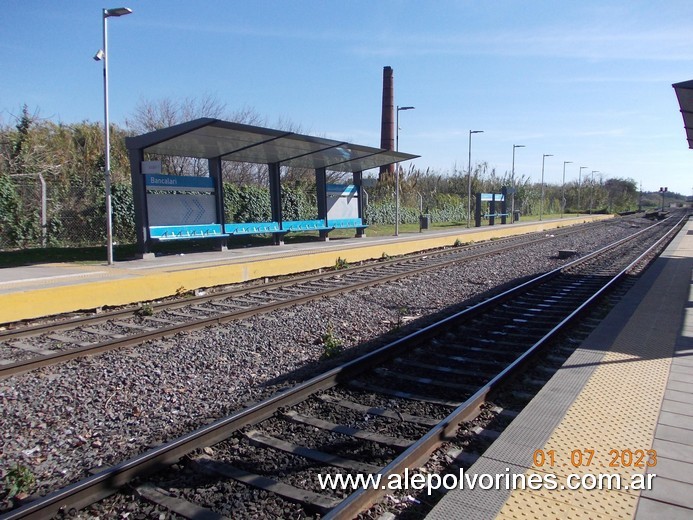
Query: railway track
(30, 346)
(379, 414)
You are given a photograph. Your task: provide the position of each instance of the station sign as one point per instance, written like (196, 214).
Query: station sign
(488, 197)
(151, 167)
(178, 183)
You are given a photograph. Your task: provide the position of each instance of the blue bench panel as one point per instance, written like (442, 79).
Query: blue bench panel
(186, 232)
(194, 231)
(346, 223)
(250, 228)
(305, 225)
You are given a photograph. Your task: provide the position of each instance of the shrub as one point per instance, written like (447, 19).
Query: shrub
(341, 263)
(332, 345)
(18, 480)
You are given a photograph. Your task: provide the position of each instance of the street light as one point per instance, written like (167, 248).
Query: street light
(397, 169)
(469, 178)
(563, 188)
(541, 203)
(102, 55)
(512, 195)
(580, 185)
(592, 190)
(397, 126)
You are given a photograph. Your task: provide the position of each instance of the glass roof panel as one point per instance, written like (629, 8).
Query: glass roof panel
(373, 161)
(210, 138)
(282, 149)
(209, 141)
(335, 154)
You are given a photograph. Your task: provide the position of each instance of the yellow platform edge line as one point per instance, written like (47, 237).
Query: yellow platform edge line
(139, 287)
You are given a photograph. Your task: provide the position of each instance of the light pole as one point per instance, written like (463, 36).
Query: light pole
(102, 55)
(580, 186)
(592, 190)
(397, 169)
(541, 203)
(563, 188)
(469, 178)
(512, 177)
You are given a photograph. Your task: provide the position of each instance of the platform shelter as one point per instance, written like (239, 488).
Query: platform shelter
(177, 207)
(490, 206)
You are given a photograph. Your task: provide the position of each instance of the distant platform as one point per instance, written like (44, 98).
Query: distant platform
(46, 289)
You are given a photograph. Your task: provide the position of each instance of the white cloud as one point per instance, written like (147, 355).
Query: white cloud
(670, 44)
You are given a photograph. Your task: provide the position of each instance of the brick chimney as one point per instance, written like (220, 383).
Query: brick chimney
(387, 130)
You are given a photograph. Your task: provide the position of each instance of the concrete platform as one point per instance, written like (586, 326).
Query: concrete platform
(629, 387)
(45, 289)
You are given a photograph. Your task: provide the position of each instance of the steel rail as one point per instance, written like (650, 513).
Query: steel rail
(40, 328)
(33, 363)
(420, 451)
(105, 483)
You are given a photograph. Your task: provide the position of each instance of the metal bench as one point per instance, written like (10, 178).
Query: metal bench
(305, 225)
(347, 223)
(187, 232)
(252, 228)
(319, 225)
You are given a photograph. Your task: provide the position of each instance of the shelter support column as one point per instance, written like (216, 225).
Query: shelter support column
(139, 196)
(321, 193)
(214, 165)
(276, 197)
(358, 181)
(504, 205)
(477, 211)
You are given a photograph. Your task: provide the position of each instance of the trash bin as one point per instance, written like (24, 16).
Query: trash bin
(424, 222)
(516, 215)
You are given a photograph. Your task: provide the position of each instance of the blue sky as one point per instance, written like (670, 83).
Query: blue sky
(588, 81)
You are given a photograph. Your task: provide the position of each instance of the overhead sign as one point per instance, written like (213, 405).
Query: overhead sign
(149, 167)
(179, 183)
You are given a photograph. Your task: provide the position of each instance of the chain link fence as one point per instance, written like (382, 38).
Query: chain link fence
(36, 213)
(45, 214)
(380, 206)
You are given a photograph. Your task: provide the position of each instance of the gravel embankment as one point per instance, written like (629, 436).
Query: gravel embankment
(62, 421)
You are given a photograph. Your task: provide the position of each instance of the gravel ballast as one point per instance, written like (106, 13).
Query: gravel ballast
(63, 421)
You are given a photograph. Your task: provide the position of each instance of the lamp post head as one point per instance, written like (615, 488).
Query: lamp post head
(567, 162)
(405, 108)
(476, 131)
(116, 11)
(518, 146)
(548, 155)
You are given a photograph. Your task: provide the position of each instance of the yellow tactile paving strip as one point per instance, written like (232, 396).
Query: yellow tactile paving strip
(608, 395)
(617, 410)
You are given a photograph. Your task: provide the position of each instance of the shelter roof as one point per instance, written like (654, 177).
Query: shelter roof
(684, 91)
(208, 138)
